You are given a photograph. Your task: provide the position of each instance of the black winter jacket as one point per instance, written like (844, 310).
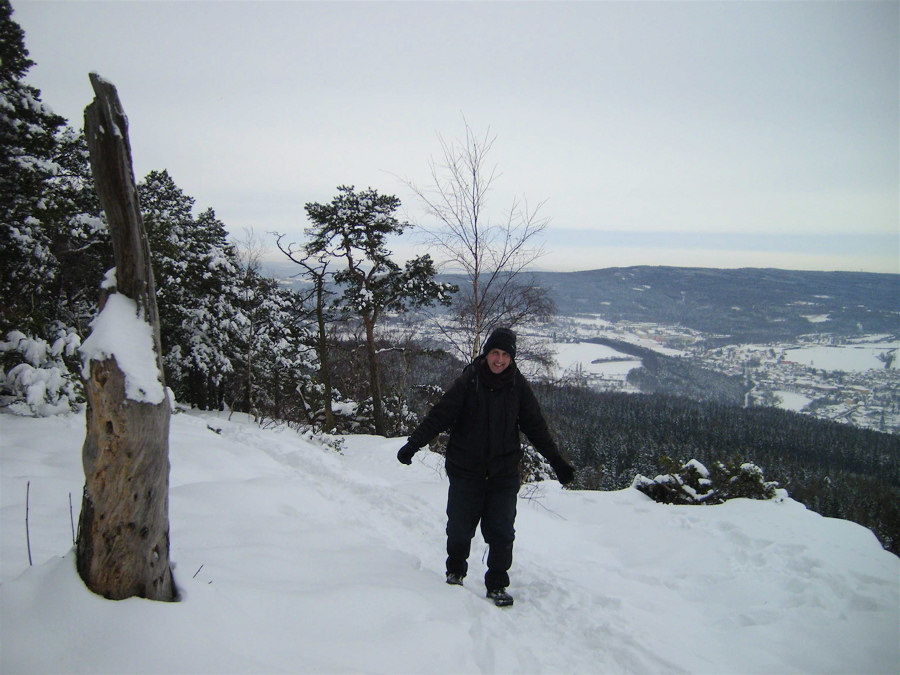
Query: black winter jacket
(484, 423)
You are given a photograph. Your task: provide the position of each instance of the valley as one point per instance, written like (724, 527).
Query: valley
(849, 380)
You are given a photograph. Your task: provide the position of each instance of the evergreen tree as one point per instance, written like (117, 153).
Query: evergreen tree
(208, 300)
(76, 255)
(317, 273)
(27, 162)
(354, 227)
(274, 365)
(195, 271)
(52, 255)
(76, 226)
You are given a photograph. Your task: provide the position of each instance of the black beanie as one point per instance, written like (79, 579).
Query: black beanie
(501, 338)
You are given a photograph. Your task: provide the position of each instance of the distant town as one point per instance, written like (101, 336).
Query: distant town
(849, 380)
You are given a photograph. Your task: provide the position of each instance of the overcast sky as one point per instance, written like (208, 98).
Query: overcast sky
(711, 134)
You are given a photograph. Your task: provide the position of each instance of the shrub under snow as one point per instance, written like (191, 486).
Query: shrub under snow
(34, 377)
(695, 484)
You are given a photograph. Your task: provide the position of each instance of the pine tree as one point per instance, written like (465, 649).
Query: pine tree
(27, 163)
(354, 227)
(52, 249)
(274, 367)
(76, 226)
(316, 271)
(195, 270)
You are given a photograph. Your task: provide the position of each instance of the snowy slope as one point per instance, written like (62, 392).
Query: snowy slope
(295, 559)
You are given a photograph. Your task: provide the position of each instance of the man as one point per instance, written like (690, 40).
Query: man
(485, 408)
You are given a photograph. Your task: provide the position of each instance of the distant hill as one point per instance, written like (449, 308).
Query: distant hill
(748, 304)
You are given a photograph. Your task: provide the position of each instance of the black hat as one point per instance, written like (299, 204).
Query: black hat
(501, 338)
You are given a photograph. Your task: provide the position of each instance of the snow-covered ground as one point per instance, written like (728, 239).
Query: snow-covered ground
(784, 370)
(789, 400)
(610, 364)
(292, 558)
(852, 357)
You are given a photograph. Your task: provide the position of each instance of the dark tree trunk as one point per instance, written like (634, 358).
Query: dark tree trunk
(374, 382)
(123, 530)
(323, 352)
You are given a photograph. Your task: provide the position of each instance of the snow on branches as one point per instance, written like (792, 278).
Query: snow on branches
(693, 483)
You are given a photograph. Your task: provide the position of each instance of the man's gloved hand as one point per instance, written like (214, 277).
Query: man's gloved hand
(406, 453)
(565, 474)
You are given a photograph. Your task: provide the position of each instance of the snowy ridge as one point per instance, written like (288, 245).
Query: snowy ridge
(292, 558)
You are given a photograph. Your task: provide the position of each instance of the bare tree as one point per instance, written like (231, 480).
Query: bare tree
(492, 252)
(123, 530)
(315, 270)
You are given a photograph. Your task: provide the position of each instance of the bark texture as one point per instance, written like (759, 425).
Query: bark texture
(123, 530)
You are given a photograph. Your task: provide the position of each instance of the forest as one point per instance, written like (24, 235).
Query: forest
(347, 354)
(835, 469)
(670, 375)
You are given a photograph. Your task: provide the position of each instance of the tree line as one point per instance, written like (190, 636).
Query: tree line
(667, 374)
(835, 469)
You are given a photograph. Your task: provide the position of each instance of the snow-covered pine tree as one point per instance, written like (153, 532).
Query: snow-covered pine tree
(211, 274)
(77, 229)
(195, 270)
(315, 271)
(271, 348)
(27, 162)
(50, 247)
(736, 480)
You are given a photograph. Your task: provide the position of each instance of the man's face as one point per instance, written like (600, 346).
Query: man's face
(498, 360)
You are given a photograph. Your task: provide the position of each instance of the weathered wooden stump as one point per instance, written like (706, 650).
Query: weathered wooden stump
(123, 530)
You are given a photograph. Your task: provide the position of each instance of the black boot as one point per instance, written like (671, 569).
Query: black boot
(500, 597)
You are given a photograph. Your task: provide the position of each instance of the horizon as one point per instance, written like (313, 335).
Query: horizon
(720, 135)
(269, 262)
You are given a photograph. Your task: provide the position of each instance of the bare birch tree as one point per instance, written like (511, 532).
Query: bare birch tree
(492, 251)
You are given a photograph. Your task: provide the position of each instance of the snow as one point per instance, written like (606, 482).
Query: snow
(119, 331)
(292, 558)
(612, 364)
(792, 401)
(855, 357)
(110, 280)
(42, 380)
(34, 351)
(701, 470)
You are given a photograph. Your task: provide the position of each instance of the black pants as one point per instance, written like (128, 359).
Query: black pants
(493, 503)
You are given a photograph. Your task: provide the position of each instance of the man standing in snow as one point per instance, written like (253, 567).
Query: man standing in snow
(485, 409)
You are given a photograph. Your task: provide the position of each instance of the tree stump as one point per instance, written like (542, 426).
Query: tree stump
(123, 529)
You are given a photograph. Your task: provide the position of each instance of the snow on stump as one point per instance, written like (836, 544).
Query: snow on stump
(123, 530)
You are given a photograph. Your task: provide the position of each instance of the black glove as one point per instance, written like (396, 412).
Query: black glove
(406, 453)
(565, 474)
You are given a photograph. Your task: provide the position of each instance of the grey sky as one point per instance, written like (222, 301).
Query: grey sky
(716, 134)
